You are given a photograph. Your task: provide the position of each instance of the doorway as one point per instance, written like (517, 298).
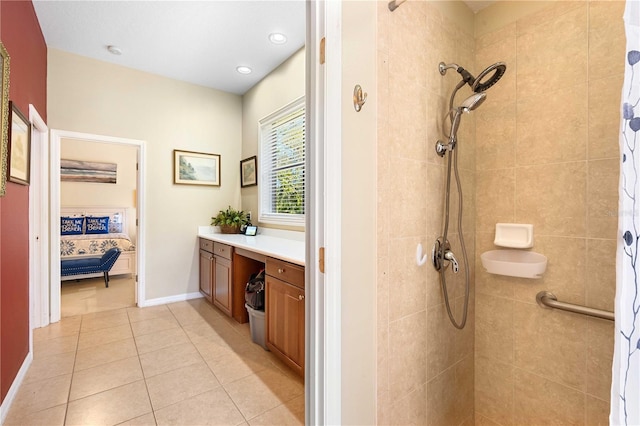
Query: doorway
(136, 219)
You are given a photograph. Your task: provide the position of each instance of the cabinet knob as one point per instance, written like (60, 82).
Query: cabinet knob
(300, 297)
(220, 250)
(280, 270)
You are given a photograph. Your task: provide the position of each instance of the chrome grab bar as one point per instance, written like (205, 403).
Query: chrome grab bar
(546, 299)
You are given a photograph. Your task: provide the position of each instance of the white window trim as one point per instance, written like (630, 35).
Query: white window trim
(296, 220)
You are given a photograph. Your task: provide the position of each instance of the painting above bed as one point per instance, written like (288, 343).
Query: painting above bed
(87, 171)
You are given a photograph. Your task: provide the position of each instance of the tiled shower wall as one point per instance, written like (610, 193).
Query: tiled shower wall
(425, 366)
(547, 154)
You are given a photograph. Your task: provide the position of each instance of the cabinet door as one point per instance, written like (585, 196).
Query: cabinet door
(222, 284)
(285, 321)
(206, 273)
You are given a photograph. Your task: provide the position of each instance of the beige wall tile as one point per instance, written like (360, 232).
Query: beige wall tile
(541, 334)
(600, 345)
(562, 405)
(602, 198)
(606, 37)
(407, 354)
(554, 55)
(552, 127)
(408, 293)
(440, 341)
(465, 338)
(409, 210)
(597, 412)
(486, 40)
(464, 372)
(533, 23)
(552, 197)
(604, 116)
(494, 328)
(494, 390)
(442, 400)
(496, 136)
(410, 410)
(601, 274)
(495, 201)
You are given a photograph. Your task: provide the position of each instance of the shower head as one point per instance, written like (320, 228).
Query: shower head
(472, 102)
(485, 79)
(498, 70)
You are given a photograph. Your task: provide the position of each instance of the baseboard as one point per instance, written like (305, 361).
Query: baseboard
(13, 390)
(170, 299)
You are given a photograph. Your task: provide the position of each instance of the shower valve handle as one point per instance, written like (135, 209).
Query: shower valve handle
(451, 258)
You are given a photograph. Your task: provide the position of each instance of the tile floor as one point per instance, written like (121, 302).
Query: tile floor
(90, 295)
(184, 363)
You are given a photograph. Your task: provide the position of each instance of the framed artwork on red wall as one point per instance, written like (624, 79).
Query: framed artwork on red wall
(4, 116)
(18, 166)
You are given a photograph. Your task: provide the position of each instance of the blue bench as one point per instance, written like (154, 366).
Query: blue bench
(91, 265)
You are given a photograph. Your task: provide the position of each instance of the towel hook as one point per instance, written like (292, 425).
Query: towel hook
(420, 258)
(359, 98)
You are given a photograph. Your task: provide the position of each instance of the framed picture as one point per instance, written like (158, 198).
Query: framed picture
(4, 114)
(249, 172)
(196, 168)
(19, 147)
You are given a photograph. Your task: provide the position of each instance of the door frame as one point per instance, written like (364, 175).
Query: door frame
(39, 222)
(323, 396)
(54, 178)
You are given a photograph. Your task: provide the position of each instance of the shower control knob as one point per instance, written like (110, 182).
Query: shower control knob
(450, 257)
(441, 148)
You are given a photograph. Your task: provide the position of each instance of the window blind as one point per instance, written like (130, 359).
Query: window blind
(283, 141)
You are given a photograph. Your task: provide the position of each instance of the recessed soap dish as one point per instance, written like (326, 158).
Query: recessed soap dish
(514, 235)
(514, 263)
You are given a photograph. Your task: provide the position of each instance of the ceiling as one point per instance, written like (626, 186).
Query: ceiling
(201, 42)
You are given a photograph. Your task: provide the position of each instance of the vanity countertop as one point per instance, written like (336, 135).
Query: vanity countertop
(290, 250)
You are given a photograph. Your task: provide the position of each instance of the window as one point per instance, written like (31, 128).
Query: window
(282, 164)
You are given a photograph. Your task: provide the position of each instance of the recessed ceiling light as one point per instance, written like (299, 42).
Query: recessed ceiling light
(277, 38)
(243, 70)
(114, 50)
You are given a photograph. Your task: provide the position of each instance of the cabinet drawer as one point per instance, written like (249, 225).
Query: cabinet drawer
(206, 245)
(222, 250)
(285, 271)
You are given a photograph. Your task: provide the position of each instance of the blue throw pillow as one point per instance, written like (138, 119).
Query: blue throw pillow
(71, 225)
(97, 225)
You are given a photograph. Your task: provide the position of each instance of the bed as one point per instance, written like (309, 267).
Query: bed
(89, 232)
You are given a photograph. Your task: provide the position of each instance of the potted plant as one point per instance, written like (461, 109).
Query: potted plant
(230, 220)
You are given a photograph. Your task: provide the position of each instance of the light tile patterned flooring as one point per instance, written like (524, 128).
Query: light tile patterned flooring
(90, 295)
(184, 363)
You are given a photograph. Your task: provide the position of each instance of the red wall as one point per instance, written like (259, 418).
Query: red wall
(21, 35)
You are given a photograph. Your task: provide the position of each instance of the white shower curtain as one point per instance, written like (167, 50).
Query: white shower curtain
(625, 388)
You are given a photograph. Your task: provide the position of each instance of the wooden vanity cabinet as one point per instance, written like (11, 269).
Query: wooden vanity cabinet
(222, 277)
(207, 265)
(216, 274)
(285, 312)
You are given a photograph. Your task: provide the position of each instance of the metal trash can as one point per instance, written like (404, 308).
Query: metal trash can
(257, 327)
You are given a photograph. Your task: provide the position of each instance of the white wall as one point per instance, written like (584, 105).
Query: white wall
(92, 194)
(90, 96)
(280, 87)
(359, 215)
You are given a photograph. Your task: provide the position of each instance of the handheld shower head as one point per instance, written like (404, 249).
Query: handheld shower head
(468, 105)
(472, 102)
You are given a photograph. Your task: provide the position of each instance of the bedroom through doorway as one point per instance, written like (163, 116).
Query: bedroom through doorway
(98, 191)
(99, 181)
